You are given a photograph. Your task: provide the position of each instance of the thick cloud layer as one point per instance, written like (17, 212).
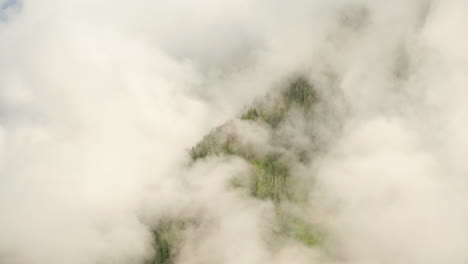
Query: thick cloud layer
(99, 101)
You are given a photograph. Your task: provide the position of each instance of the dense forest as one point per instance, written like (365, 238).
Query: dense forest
(271, 177)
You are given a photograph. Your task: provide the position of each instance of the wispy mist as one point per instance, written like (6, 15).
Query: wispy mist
(101, 101)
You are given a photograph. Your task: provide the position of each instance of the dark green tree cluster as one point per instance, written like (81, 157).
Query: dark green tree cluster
(272, 117)
(217, 142)
(167, 238)
(208, 145)
(300, 93)
(251, 114)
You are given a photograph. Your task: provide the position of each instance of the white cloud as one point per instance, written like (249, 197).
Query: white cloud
(99, 101)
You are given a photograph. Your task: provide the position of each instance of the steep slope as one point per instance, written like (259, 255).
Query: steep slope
(273, 161)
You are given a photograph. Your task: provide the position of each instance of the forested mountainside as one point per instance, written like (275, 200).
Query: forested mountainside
(272, 176)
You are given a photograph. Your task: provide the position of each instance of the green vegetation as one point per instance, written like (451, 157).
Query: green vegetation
(215, 143)
(303, 232)
(252, 114)
(296, 228)
(164, 251)
(271, 177)
(167, 237)
(274, 116)
(208, 145)
(300, 93)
